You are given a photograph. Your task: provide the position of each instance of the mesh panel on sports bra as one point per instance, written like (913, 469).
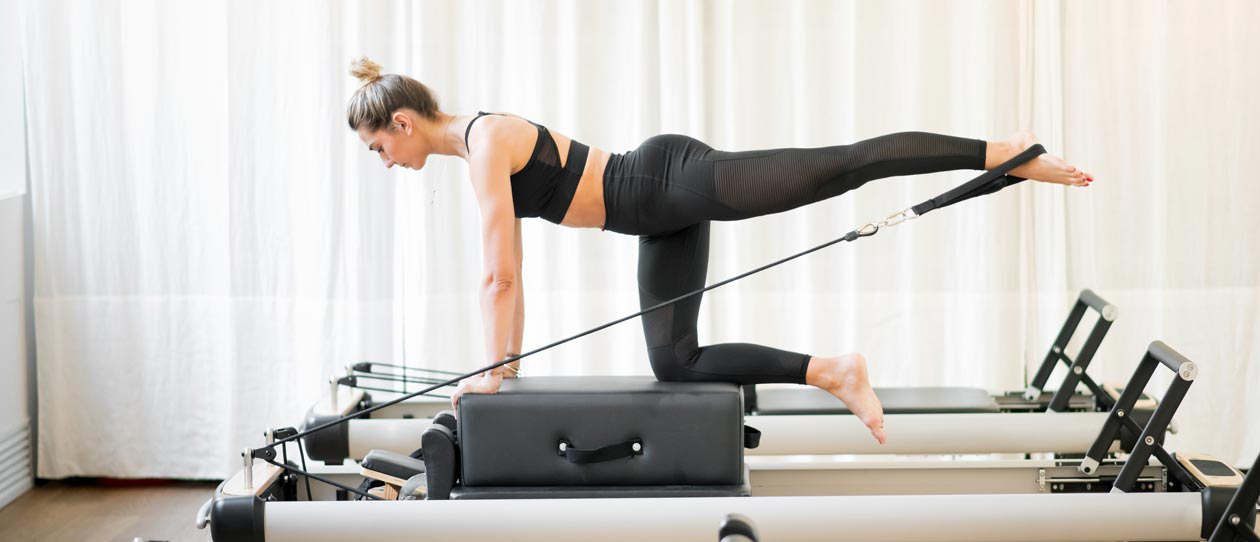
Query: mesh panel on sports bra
(548, 153)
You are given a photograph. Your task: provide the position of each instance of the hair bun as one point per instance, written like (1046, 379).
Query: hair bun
(365, 70)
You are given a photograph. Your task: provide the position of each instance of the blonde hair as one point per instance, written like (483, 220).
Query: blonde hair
(382, 94)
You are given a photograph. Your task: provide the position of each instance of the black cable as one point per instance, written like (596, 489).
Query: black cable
(302, 454)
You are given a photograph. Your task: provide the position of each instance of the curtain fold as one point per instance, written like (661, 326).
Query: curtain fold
(212, 243)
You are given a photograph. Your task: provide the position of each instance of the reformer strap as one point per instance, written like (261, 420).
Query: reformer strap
(987, 183)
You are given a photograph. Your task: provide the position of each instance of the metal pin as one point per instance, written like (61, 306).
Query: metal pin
(248, 460)
(332, 385)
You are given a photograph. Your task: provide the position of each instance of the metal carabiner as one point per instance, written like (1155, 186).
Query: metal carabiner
(899, 217)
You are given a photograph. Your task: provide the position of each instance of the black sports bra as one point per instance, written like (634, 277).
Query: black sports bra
(543, 188)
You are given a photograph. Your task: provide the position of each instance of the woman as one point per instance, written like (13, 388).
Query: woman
(666, 192)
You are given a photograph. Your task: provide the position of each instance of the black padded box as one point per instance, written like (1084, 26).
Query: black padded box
(690, 434)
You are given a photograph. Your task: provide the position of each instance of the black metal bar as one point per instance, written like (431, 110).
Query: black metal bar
(1097, 303)
(1106, 315)
(1151, 436)
(1170, 358)
(1077, 369)
(1131, 425)
(366, 367)
(1056, 348)
(1123, 407)
(322, 479)
(389, 377)
(1100, 395)
(1238, 521)
(1156, 354)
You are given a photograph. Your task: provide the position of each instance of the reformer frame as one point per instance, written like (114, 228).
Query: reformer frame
(1018, 428)
(1204, 505)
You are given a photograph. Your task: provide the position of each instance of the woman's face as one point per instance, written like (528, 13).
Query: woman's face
(399, 144)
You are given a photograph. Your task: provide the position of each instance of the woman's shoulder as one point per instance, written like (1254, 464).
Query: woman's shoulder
(498, 127)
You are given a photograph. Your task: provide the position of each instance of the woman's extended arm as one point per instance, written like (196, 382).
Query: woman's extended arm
(500, 284)
(518, 323)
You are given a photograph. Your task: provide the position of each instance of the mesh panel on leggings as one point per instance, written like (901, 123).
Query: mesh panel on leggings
(658, 326)
(764, 182)
(687, 347)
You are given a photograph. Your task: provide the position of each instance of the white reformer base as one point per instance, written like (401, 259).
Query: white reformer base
(1071, 432)
(771, 476)
(1008, 518)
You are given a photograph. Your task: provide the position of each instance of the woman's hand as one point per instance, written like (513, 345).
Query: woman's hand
(482, 383)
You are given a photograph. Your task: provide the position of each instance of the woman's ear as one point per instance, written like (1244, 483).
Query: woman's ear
(402, 122)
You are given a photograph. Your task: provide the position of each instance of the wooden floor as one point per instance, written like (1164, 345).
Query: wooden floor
(86, 511)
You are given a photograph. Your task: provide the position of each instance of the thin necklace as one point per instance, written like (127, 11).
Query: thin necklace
(447, 129)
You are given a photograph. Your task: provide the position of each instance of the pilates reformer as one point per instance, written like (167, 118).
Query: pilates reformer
(773, 473)
(577, 474)
(980, 422)
(665, 440)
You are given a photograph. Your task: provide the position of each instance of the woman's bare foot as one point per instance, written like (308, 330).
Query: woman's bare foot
(1045, 168)
(845, 377)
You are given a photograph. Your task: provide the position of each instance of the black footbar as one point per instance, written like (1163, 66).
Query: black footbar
(986, 183)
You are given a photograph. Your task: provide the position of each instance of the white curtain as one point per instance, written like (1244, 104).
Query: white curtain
(212, 242)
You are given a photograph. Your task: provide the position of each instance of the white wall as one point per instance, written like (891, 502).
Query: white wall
(13, 408)
(15, 456)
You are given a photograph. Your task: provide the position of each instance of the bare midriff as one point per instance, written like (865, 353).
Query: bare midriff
(587, 208)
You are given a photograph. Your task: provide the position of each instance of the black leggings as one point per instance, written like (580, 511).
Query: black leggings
(670, 188)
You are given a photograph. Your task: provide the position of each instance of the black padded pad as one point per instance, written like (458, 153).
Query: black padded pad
(810, 400)
(391, 464)
(692, 433)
